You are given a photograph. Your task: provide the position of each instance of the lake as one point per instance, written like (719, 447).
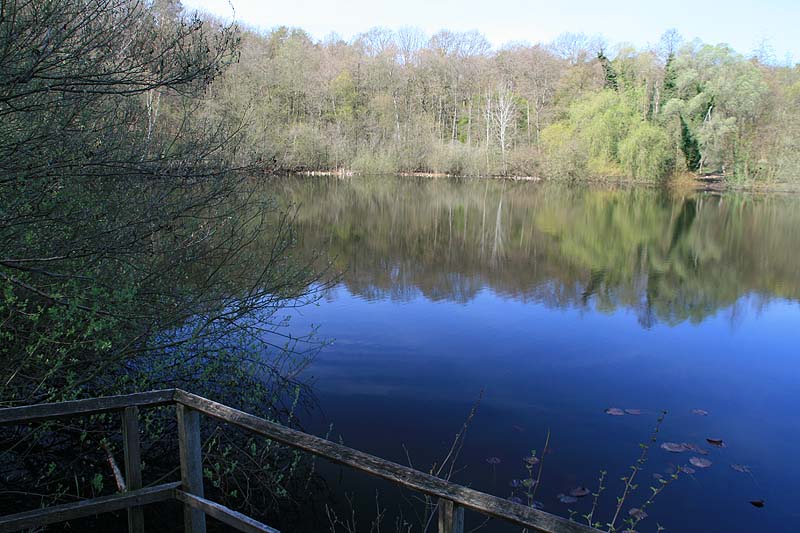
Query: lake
(557, 303)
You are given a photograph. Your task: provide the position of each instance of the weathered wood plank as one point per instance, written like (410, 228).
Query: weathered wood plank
(398, 474)
(191, 456)
(72, 511)
(133, 464)
(227, 516)
(451, 517)
(45, 411)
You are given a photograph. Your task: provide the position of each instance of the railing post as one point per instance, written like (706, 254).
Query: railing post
(451, 517)
(133, 464)
(191, 466)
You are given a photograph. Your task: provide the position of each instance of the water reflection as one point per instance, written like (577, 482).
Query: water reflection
(561, 303)
(671, 258)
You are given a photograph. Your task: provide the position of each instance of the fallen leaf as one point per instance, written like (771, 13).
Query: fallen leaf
(744, 469)
(700, 462)
(719, 443)
(563, 498)
(700, 412)
(673, 447)
(638, 514)
(687, 469)
(633, 411)
(614, 411)
(579, 492)
(757, 503)
(695, 448)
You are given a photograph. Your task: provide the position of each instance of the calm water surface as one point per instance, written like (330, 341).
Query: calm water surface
(559, 303)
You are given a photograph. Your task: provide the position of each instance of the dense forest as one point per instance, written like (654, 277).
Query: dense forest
(400, 101)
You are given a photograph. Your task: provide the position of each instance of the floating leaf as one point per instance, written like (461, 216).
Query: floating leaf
(719, 443)
(563, 498)
(493, 460)
(579, 492)
(515, 499)
(744, 469)
(633, 411)
(614, 411)
(700, 412)
(688, 469)
(700, 462)
(673, 447)
(695, 448)
(757, 503)
(638, 514)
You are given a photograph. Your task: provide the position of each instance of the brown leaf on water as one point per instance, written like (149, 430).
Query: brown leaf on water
(700, 462)
(700, 412)
(757, 503)
(673, 447)
(615, 411)
(719, 443)
(579, 492)
(695, 448)
(638, 514)
(633, 411)
(687, 469)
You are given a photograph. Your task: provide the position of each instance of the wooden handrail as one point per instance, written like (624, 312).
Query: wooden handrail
(71, 511)
(452, 498)
(49, 411)
(400, 475)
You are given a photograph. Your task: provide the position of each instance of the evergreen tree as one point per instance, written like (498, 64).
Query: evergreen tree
(689, 147)
(670, 76)
(609, 72)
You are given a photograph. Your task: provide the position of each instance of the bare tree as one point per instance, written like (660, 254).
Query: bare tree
(504, 114)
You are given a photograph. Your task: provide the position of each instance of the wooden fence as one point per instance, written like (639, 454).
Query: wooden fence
(453, 499)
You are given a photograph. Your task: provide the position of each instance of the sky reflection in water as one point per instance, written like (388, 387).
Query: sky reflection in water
(559, 303)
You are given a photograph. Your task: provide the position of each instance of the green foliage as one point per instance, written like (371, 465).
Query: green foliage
(689, 147)
(609, 74)
(646, 153)
(375, 105)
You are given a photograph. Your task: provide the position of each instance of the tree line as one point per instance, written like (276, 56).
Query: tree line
(400, 101)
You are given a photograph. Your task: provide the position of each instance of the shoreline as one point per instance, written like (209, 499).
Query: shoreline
(710, 183)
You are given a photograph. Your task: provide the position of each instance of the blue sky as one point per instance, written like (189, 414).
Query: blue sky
(744, 24)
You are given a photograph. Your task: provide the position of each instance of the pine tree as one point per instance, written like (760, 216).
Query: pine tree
(689, 147)
(608, 70)
(669, 89)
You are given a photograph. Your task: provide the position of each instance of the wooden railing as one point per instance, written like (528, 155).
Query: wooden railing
(452, 498)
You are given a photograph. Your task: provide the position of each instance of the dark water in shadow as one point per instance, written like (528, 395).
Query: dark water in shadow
(558, 303)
